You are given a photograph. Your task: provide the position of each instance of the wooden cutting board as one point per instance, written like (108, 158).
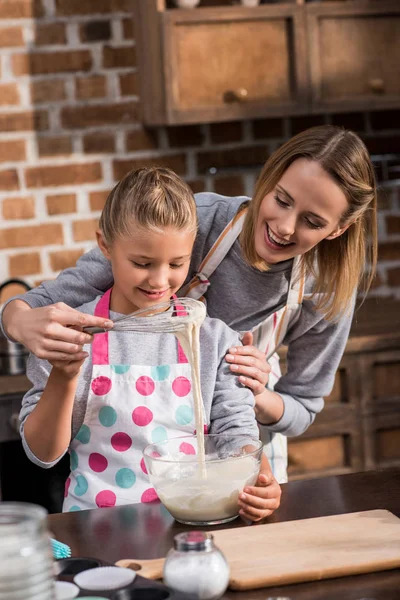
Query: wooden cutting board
(307, 550)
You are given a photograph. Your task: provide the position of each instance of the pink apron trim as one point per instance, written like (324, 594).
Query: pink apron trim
(180, 311)
(100, 341)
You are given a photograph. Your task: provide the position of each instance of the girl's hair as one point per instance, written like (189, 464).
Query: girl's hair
(154, 198)
(338, 265)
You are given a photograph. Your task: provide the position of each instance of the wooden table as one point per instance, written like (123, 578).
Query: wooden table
(146, 531)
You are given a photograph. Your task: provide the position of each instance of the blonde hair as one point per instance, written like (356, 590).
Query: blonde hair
(338, 265)
(154, 198)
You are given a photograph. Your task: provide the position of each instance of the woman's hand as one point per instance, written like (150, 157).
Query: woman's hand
(250, 364)
(49, 332)
(259, 501)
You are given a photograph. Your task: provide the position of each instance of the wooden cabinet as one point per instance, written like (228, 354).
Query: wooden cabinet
(359, 428)
(354, 54)
(234, 62)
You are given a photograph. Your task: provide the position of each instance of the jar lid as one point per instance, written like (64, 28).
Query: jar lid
(197, 541)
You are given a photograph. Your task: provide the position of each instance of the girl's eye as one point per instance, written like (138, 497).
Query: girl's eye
(175, 266)
(281, 202)
(313, 225)
(140, 266)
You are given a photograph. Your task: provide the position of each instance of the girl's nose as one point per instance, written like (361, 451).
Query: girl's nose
(158, 279)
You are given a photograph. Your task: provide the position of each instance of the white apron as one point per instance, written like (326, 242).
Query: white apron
(267, 335)
(129, 407)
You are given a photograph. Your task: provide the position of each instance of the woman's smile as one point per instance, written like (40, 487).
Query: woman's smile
(274, 241)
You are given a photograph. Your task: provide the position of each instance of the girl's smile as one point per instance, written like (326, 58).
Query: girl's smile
(305, 207)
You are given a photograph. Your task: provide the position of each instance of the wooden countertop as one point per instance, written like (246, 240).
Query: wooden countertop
(147, 530)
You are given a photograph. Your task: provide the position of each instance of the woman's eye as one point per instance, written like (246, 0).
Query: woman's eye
(281, 202)
(313, 225)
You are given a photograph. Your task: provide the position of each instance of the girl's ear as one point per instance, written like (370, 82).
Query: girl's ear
(339, 231)
(102, 244)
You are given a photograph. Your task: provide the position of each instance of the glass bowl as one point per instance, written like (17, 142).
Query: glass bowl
(208, 495)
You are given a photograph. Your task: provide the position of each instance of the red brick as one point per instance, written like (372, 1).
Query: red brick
(141, 139)
(44, 91)
(21, 9)
(11, 37)
(94, 143)
(40, 63)
(91, 87)
(61, 204)
(128, 29)
(389, 251)
(24, 121)
(268, 128)
(229, 185)
(12, 150)
(245, 156)
(197, 185)
(393, 224)
(354, 121)
(67, 174)
(54, 146)
(85, 230)
(79, 117)
(35, 235)
(28, 263)
(393, 276)
(117, 57)
(226, 132)
(63, 259)
(95, 31)
(9, 94)
(50, 34)
(128, 84)
(9, 180)
(19, 208)
(301, 123)
(97, 199)
(185, 135)
(177, 163)
(86, 7)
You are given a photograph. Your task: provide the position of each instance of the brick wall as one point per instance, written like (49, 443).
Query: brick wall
(70, 128)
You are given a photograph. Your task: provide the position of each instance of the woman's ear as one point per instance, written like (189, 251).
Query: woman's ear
(339, 231)
(102, 244)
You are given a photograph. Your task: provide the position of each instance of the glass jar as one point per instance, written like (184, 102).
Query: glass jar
(26, 562)
(196, 566)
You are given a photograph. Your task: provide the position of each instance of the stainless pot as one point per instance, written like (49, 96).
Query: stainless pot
(13, 355)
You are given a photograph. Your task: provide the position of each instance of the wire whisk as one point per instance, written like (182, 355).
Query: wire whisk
(165, 317)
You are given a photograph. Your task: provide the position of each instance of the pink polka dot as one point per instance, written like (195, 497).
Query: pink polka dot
(181, 386)
(105, 499)
(101, 385)
(142, 416)
(98, 462)
(145, 385)
(121, 441)
(143, 466)
(150, 495)
(66, 488)
(187, 448)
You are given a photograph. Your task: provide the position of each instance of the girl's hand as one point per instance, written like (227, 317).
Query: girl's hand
(260, 501)
(250, 363)
(49, 332)
(67, 369)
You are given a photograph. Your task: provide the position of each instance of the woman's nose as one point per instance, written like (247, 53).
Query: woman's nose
(287, 226)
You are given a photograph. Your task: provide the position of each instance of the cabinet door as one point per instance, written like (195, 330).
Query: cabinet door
(354, 50)
(222, 64)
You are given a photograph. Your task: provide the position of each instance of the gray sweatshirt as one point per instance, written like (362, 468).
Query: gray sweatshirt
(229, 407)
(242, 297)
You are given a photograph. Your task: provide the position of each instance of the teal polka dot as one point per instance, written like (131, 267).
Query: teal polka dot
(125, 478)
(107, 416)
(73, 460)
(184, 414)
(74, 508)
(81, 485)
(83, 434)
(120, 369)
(159, 434)
(161, 372)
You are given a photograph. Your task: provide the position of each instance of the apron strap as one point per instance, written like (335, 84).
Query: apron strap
(100, 340)
(179, 310)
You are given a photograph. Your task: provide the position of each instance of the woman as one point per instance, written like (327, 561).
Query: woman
(284, 267)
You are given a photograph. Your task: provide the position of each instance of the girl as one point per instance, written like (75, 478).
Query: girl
(131, 392)
(284, 267)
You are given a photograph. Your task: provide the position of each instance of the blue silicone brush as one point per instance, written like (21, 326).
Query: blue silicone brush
(59, 549)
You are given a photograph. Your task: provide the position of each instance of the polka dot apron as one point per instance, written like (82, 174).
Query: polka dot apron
(267, 335)
(129, 407)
